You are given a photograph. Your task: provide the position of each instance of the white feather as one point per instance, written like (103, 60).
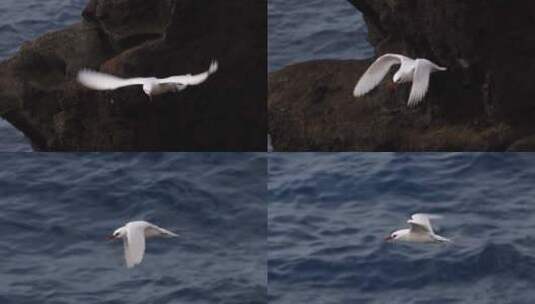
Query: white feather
(417, 71)
(420, 81)
(134, 239)
(423, 220)
(101, 81)
(376, 72)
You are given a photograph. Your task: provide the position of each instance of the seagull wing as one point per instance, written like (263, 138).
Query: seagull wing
(101, 81)
(191, 79)
(420, 81)
(376, 72)
(419, 222)
(153, 230)
(134, 245)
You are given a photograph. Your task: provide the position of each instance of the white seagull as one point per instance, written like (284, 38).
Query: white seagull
(416, 71)
(151, 85)
(420, 230)
(133, 235)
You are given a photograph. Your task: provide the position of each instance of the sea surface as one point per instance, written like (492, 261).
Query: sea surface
(314, 29)
(25, 20)
(329, 215)
(56, 210)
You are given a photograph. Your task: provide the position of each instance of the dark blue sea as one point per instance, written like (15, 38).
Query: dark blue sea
(329, 214)
(57, 209)
(314, 29)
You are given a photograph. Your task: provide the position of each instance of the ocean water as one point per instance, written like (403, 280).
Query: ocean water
(57, 209)
(25, 20)
(314, 29)
(329, 214)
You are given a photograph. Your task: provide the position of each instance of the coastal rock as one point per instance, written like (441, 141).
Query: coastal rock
(39, 94)
(311, 107)
(127, 23)
(486, 92)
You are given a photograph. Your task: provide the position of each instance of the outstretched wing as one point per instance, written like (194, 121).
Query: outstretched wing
(153, 230)
(420, 222)
(376, 72)
(134, 246)
(101, 81)
(189, 79)
(420, 82)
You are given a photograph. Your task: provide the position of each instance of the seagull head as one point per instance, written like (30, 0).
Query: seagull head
(118, 234)
(396, 235)
(402, 76)
(397, 77)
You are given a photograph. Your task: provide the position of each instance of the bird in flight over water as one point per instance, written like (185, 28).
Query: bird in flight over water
(134, 235)
(420, 230)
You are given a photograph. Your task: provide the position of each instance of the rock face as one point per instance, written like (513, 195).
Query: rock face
(485, 101)
(130, 38)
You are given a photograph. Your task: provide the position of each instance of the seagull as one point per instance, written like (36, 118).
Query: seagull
(151, 85)
(416, 71)
(133, 235)
(420, 230)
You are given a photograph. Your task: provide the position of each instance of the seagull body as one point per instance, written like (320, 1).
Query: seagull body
(134, 235)
(151, 85)
(420, 230)
(416, 71)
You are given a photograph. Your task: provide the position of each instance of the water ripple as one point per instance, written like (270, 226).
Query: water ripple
(329, 214)
(58, 208)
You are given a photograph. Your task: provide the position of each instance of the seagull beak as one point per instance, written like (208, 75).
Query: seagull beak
(392, 86)
(388, 238)
(110, 237)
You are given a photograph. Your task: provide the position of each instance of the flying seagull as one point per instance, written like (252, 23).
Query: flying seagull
(133, 235)
(420, 230)
(416, 71)
(151, 85)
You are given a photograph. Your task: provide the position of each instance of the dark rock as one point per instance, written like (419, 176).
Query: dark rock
(127, 23)
(311, 108)
(39, 94)
(486, 90)
(525, 144)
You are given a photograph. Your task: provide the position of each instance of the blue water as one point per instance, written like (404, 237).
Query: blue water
(25, 20)
(58, 208)
(329, 214)
(314, 29)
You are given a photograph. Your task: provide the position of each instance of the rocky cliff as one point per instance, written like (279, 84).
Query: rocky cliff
(485, 101)
(130, 38)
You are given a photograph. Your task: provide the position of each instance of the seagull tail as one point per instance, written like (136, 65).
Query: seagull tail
(213, 67)
(168, 233)
(442, 239)
(439, 68)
